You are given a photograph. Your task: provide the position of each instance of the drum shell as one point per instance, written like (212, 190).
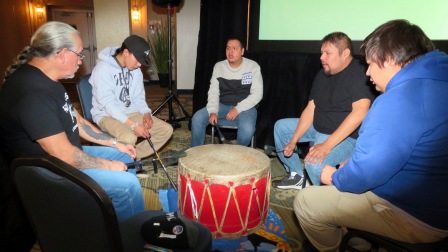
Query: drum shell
(226, 188)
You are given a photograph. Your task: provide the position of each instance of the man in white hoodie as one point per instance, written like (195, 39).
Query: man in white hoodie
(119, 102)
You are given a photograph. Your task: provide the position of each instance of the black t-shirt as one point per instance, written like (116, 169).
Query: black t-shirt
(333, 96)
(32, 106)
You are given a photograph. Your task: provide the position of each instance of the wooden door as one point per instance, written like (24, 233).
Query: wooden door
(83, 21)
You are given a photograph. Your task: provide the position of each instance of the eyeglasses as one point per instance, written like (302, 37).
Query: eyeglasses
(80, 55)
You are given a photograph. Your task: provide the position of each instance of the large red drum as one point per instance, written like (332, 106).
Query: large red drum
(225, 188)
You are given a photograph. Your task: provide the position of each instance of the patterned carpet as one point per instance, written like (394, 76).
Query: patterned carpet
(280, 200)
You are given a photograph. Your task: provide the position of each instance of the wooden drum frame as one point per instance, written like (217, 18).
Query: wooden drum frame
(226, 188)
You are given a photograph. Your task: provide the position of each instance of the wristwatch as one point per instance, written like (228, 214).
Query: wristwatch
(133, 126)
(114, 143)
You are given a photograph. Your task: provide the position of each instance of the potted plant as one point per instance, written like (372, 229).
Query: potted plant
(158, 43)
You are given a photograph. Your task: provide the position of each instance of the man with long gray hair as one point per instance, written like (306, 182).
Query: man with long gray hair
(38, 118)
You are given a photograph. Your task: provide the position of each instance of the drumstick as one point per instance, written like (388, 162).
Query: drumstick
(146, 162)
(269, 148)
(221, 136)
(161, 163)
(134, 164)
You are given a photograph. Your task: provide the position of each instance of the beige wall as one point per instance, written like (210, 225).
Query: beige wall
(111, 22)
(187, 38)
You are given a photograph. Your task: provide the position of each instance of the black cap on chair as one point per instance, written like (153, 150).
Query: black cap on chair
(170, 230)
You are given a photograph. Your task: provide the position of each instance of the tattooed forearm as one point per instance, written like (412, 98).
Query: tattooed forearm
(84, 160)
(95, 135)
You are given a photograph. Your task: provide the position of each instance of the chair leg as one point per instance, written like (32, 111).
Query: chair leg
(252, 141)
(305, 178)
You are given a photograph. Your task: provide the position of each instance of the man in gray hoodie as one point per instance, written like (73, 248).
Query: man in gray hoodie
(119, 102)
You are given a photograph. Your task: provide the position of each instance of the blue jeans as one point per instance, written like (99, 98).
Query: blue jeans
(123, 188)
(284, 130)
(245, 121)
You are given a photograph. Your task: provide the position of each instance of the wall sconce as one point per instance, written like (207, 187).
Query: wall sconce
(40, 12)
(39, 8)
(135, 14)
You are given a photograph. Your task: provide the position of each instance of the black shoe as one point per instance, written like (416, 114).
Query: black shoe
(308, 247)
(289, 182)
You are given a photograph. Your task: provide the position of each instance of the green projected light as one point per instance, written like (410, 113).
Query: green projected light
(313, 19)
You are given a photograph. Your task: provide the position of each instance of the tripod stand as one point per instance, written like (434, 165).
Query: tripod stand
(171, 96)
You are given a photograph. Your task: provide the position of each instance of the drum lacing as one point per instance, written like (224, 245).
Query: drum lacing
(194, 204)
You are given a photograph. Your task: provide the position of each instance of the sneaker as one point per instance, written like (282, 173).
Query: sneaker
(140, 173)
(289, 182)
(278, 179)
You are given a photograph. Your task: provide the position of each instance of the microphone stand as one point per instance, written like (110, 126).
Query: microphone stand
(170, 96)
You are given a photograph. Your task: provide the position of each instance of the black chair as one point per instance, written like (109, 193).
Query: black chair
(388, 244)
(69, 211)
(85, 96)
(16, 233)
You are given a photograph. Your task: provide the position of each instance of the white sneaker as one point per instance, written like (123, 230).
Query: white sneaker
(289, 182)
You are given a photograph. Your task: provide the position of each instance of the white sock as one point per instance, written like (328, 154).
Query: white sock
(292, 174)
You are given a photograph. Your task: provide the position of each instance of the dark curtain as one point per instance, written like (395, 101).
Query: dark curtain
(219, 19)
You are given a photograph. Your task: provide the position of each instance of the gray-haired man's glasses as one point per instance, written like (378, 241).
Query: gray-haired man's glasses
(80, 55)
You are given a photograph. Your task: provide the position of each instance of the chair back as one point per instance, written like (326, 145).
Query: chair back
(85, 96)
(68, 210)
(379, 243)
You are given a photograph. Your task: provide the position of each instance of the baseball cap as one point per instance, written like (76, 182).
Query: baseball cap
(170, 230)
(139, 47)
